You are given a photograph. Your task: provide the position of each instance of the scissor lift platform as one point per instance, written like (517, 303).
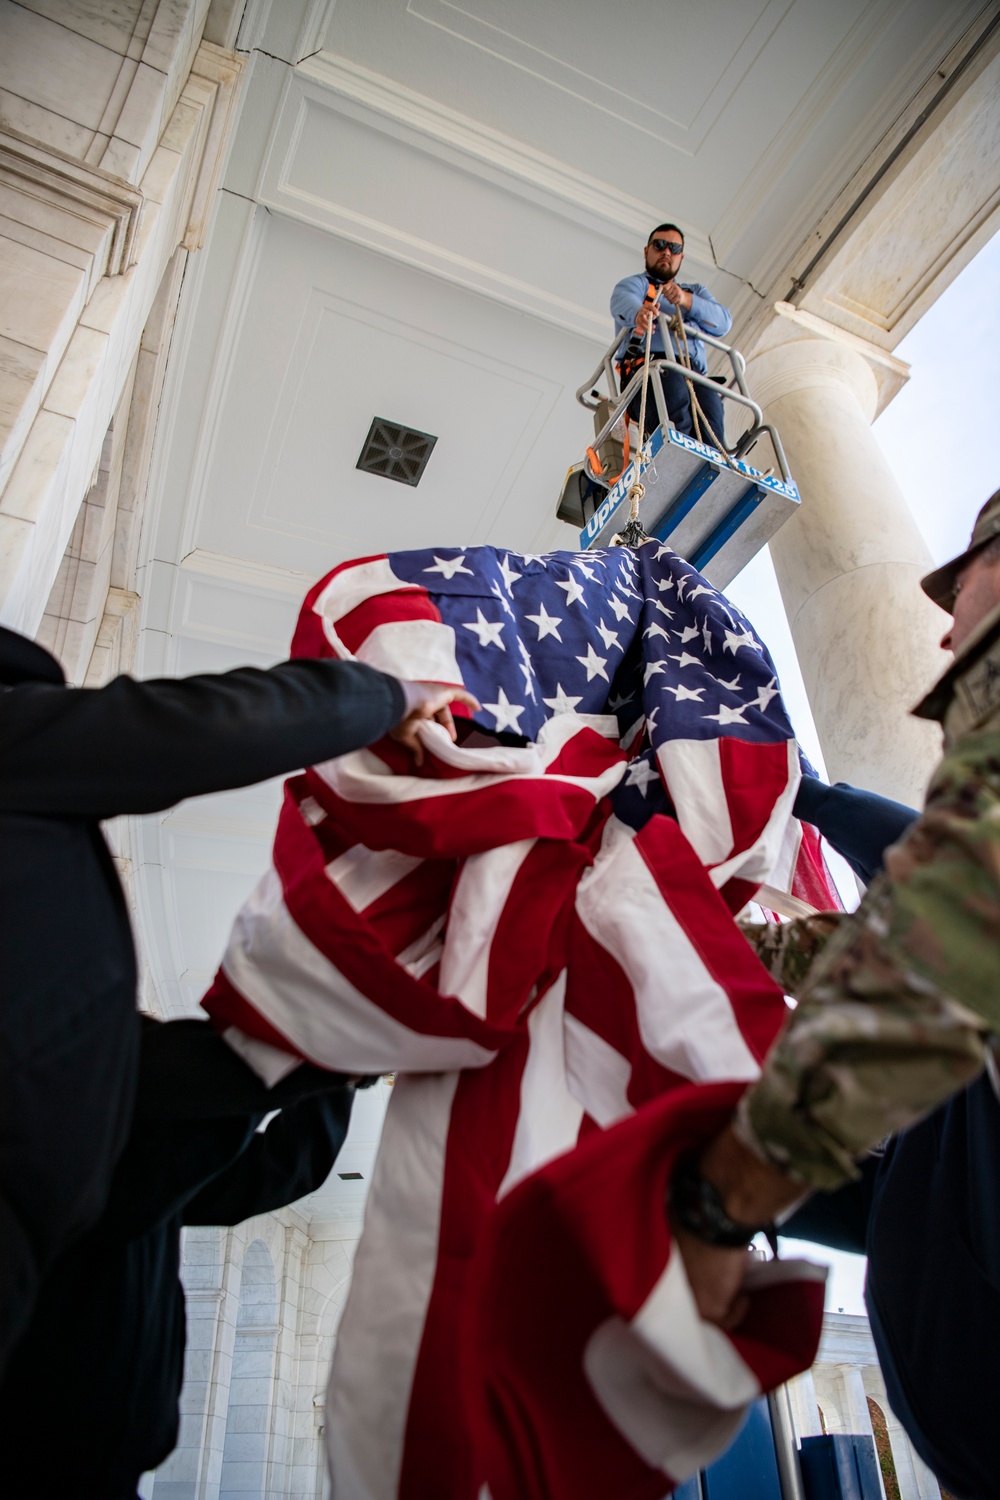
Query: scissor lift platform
(713, 508)
(715, 512)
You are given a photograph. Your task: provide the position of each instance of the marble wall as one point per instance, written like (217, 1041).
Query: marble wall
(264, 1301)
(114, 121)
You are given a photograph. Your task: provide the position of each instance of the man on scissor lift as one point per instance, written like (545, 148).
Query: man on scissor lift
(632, 306)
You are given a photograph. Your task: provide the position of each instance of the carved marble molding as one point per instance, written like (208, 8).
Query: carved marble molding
(88, 193)
(882, 377)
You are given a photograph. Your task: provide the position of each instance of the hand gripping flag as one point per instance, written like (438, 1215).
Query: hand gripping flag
(533, 931)
(636, 1392)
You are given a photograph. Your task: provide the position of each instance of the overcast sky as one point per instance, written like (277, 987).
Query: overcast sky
(941, 436)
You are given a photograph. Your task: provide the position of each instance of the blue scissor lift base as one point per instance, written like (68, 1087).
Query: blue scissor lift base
(716, 512)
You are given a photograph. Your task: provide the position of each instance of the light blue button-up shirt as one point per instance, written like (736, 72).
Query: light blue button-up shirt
(705, 313)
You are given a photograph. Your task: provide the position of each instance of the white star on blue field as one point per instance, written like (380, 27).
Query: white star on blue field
(611, 631)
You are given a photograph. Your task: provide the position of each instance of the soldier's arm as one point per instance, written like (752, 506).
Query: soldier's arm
(788, 950)
(898, 1010)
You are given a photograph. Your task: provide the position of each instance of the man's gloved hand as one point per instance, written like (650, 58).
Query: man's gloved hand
(426, 701)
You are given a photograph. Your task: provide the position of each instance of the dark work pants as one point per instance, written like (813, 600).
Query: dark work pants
(679, 407)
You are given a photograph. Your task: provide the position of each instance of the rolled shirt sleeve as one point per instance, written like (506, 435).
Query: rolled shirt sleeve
(900, 1007)
(709, 315)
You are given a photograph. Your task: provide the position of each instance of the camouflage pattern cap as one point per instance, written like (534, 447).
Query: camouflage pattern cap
(940, 585)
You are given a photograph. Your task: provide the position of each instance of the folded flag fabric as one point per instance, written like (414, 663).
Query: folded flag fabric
(533, 930)
(596, 1376)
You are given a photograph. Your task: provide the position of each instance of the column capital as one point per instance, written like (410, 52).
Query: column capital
(798, 349)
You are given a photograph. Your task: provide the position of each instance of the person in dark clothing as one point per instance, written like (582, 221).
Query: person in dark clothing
(924, 1211)
(109, 1324)
(68, 1028)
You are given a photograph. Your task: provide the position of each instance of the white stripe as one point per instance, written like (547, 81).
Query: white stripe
(351, 587)
(300, 992)
(362, 777)
(379, 1336)
(685, 1019)
(783, 871)
(420, 650)
(597, 1073)
(692, 773)
(768, 1273)
(269, 1063)
(673, 1385)
(363, 875)
(548, 1120)
(477, 904)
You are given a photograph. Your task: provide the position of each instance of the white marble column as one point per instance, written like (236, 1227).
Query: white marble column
(848, 566)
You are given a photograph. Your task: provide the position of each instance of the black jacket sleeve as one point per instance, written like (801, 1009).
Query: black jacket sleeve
(293, 1156)
(859, 825)
(188, 1073)
(137, 747)
(197, 1109)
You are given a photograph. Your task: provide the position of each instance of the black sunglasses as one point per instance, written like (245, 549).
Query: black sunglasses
(674, 246)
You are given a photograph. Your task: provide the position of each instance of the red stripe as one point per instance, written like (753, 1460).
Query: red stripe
(586, 754)
(736, 893)
(597, 1245)
(795, 1308)
(448, 825)
(811, 878)
(331, 924)
(356, 626)
(598, 993)
(310, 637)
(455, 824)
(754, 777)
(530, 945)
(405, 911)
(757, 1002)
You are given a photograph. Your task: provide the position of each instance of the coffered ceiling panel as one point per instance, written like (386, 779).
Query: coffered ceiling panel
(741, 118)
(648, 67)
(328, 338)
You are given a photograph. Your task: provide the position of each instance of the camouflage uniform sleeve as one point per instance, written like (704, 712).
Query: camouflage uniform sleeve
(788, 950)
(898, 1010)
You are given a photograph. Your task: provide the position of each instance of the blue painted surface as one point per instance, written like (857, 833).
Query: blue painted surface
(689, 1490)
(686, 502)
(726, 528)
(840, 1466)
(713, 464)
(748, 1470)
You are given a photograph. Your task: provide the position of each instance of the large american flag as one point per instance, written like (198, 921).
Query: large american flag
(534, 931)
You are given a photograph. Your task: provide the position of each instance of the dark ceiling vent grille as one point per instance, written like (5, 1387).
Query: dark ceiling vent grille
(395, 452)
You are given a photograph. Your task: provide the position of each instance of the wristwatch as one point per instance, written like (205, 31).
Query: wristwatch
(697, 1206)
